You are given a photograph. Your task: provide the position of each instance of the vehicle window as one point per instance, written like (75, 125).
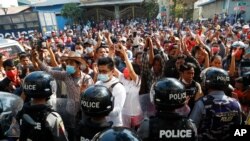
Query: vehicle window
(10, 52)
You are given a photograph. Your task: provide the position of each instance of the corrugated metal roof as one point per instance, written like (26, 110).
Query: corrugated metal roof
(56, 2)
(204, 2)
(14, 10)
(108, 2)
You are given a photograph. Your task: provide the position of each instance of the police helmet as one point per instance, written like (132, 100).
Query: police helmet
(39, 84)
(96, 101)
(169, 93)
(215, 78)
(116, 134)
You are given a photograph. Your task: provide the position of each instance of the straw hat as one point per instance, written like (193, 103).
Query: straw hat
(73, 56)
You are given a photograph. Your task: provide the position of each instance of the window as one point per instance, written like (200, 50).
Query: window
(5, 20)
(10, 52)
(6, 27)
(30, 17)
(32, 24)
(17, 18)
(19, 26)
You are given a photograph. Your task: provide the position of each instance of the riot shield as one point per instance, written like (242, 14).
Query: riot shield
(10, 105)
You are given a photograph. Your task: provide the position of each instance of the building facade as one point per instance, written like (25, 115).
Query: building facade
(56, 7)
(208, 8)
(112, 9)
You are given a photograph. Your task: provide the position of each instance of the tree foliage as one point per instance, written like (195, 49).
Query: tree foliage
(72, 11)
(151, 7)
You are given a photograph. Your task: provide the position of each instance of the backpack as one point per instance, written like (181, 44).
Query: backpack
(34, 127)
(219, 117)
(113, 85)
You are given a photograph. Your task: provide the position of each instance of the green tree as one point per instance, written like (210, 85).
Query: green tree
(73, 12)
(152, 8)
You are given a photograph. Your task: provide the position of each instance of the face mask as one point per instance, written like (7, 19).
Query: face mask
(238, 54)
(79, 51)
(70, 69)
(11, 74)
(126, 73)
(89, 49)
(103, 77)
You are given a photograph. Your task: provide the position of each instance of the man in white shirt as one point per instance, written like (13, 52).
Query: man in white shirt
(105, 77)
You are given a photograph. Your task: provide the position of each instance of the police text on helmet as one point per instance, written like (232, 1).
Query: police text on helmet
(90, 104)
(29, 87)
(177, 96)
(175, 134)
(223, 78)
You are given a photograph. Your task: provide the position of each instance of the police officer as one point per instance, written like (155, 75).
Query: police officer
(169, 97)
(216, 113)
(96, 103)
(38, 122)
(117, 134)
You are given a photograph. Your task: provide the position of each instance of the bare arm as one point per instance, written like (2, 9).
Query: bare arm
(52, 55)
(232, 63)
(132, 73)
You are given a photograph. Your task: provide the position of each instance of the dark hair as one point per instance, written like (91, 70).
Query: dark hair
(97, 49)
(186, 66)
(23, 56)
(136, 68)
(106, 61)
(8, 62)
(215, 56)
(138, 53)
(158, 58)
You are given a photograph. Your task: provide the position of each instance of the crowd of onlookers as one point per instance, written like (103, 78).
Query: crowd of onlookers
(143, 52)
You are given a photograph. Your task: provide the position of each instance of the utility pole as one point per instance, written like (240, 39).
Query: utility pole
(5, 10)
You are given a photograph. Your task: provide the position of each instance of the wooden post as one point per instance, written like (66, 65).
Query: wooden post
(133, 11)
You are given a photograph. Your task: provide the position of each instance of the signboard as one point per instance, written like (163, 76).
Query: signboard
(240, 8)
(15, 33)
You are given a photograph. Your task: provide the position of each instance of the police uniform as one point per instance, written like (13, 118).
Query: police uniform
(38, 122)
(216, 114)
(117, 134)
(96, 103)
(167, 126)
(88, 128)
(211, 127)
(169, 95)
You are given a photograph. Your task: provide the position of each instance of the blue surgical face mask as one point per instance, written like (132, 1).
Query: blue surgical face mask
(89, 49)
(103, 77)
(70, 69)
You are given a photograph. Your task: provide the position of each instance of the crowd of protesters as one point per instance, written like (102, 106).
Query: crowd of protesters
(142, 53)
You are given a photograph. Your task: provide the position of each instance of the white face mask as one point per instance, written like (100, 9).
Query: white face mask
(89, 49)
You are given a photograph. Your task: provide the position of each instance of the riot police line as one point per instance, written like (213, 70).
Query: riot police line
(39, 121)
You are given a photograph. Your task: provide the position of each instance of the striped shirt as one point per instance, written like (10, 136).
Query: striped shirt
(73, 86)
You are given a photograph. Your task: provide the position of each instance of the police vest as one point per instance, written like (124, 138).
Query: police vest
(87, 129)
(220, 116)
(39, 129)
(166, 129)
